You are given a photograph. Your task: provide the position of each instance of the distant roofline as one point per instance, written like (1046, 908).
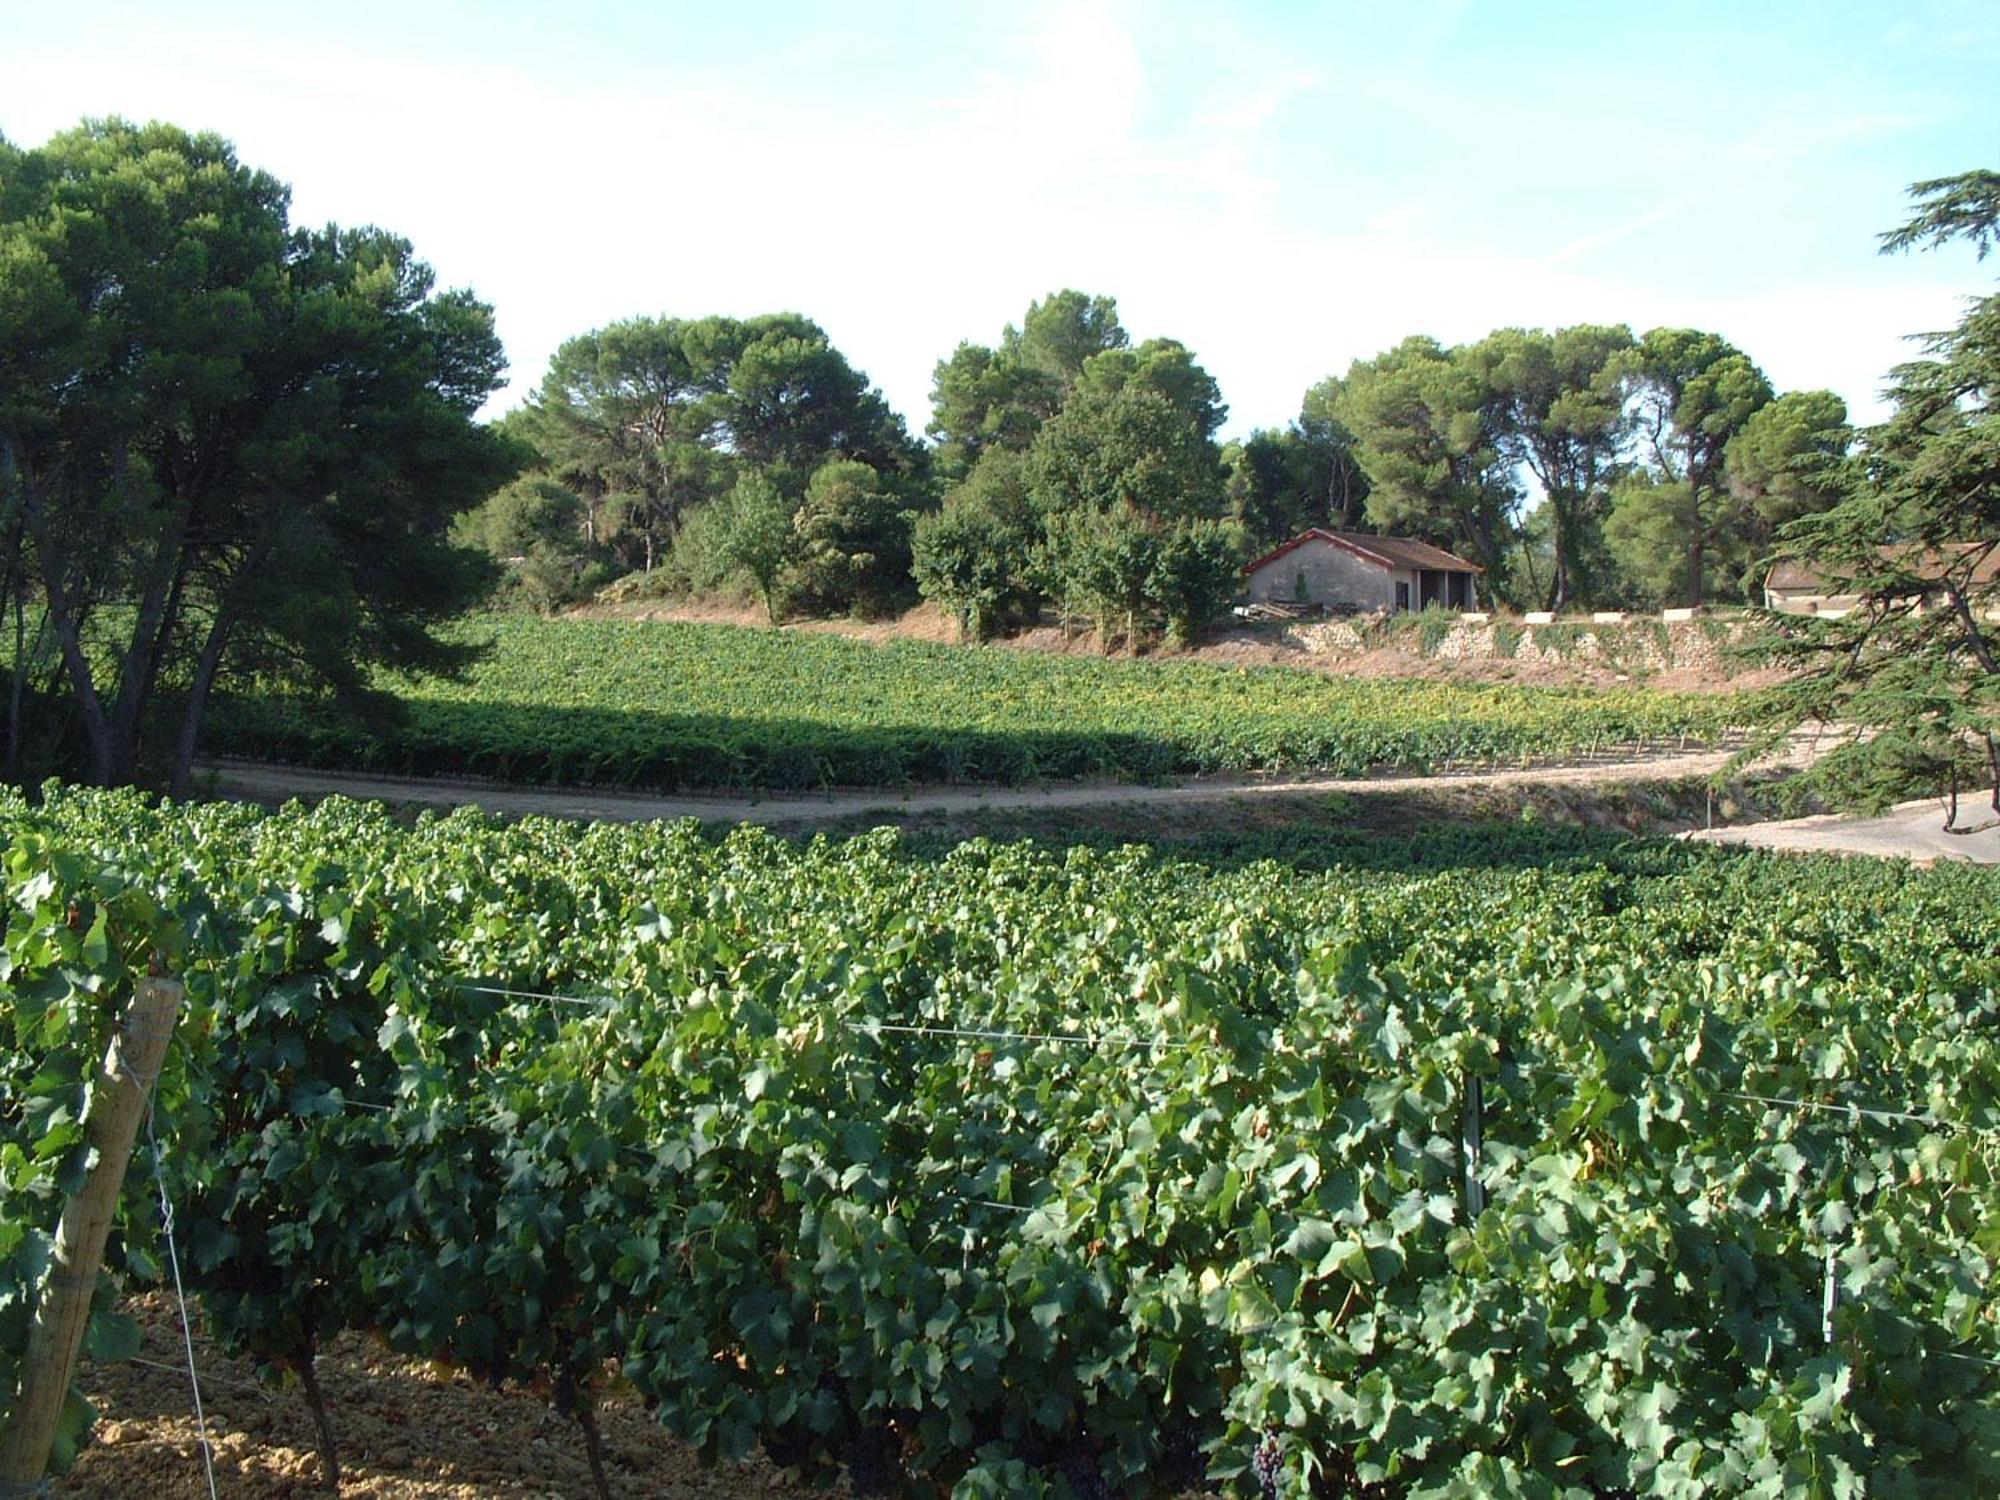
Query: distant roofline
(1797, 573)
(1357, 543)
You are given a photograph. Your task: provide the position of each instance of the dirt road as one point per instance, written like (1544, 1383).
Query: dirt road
(267, 783)
(1911, 830)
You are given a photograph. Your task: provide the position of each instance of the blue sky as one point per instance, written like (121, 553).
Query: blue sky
(1284, 187)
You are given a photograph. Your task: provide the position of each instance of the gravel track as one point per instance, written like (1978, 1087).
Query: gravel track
(1910, 830)
(259, 782)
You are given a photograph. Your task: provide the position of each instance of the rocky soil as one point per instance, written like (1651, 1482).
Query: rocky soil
(406, 1432)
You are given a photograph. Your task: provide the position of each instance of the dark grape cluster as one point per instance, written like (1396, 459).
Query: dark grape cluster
(1086, 1479)
(1182, 1463)
(789, 1447)
(874, 1461)
(1268, 1464)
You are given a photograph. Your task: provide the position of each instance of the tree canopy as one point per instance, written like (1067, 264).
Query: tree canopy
(1965, 207)
(1683, 527)
(648, 418)
(1427, 437)
(229, 444)
(1788, 460)
(984, 397)
(1080, 470)
(1582, 465)
(226, 442)
(1556, 406)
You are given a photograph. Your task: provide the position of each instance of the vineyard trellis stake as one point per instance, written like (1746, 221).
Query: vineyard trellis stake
(120, 1096)
(1471, 1144)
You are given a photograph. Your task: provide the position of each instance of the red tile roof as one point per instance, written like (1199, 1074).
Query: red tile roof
(1383, 551)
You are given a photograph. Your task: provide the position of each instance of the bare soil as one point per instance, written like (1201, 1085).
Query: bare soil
(406, 1432)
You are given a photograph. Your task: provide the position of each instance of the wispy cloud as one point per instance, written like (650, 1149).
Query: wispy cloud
(1603, 239)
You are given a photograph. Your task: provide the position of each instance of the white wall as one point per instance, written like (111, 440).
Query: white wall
(1333, 575)
(1808, 602)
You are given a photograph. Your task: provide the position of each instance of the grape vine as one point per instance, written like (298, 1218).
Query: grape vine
(996, 1171)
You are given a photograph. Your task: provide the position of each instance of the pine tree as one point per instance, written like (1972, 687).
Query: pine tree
(1914, 666)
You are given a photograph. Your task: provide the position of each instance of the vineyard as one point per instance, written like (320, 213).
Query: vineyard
(994, 1171)
(674, 706)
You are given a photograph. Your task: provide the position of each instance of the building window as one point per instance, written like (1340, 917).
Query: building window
(1402, 593)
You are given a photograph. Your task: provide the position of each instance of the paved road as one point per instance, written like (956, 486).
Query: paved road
(267, 783)
(1911, 830)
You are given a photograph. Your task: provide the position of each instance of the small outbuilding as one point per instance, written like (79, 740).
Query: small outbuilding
(1798, 588)
(1350, 570)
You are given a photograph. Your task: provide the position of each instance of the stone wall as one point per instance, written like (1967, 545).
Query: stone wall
(1639, 645)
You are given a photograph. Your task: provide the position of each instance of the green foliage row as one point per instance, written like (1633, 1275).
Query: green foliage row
(671, 705)
(1002, 1172)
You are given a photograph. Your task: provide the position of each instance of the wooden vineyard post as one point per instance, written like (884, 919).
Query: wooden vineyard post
(1472, 1145)
(119, 1099)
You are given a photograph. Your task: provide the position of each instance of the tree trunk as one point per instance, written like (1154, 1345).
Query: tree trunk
(209, 662)
(16, 692)
(1951, 824)
(329, 1453)
(574, 1401)
(1975, 642)
(1697, 558)
(593, 1447)
(107, 757)
(205, 669)
(56, 601)
(1534, 581)
(1566, 507)
(11, 598)
(140, 669)
(169, 620)
(1558, 594)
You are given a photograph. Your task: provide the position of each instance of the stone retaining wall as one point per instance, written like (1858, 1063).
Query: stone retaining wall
(1642, 645)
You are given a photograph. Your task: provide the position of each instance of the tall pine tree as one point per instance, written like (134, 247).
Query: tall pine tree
(1914, 666)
